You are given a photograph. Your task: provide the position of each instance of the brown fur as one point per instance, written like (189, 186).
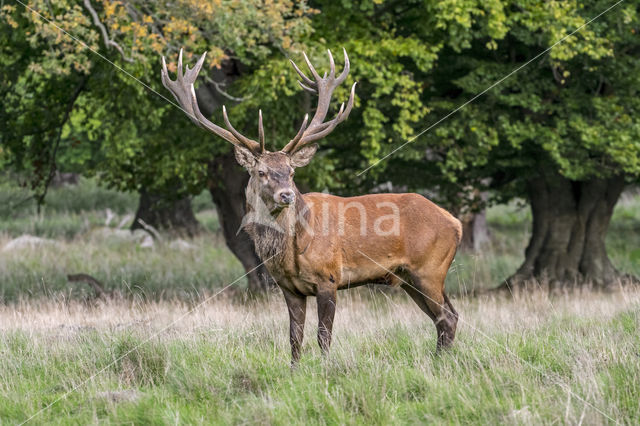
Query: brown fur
(316, 244)
(326, 243)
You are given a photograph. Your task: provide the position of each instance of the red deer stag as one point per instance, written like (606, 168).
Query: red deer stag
(315, 244)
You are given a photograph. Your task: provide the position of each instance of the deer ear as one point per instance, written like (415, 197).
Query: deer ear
(244, 157)
(302, 157)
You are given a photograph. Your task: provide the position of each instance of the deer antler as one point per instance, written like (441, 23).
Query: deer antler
(324, 87)
(184, 92)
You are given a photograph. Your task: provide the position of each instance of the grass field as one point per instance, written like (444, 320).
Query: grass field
(158, 354)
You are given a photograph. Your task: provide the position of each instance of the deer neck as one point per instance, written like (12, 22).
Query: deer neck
(274, 232)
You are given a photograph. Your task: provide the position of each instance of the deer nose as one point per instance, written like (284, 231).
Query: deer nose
(287, 196)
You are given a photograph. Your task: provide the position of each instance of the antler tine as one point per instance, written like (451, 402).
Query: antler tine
(302, 75)
(192, 74)
(324, 86)
(332, 65)
(180, 64)
(164, 73)
(352, 97)
(183, 90)
(260, 131)
(248, 143)
(290, 147)
(314, 73)
(307, 88)
(345, 71)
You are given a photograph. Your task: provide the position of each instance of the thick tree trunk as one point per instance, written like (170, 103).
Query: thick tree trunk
(227, 183)
(161, 212)
(570, 221)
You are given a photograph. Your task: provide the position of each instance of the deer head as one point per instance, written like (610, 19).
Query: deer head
(271, 173)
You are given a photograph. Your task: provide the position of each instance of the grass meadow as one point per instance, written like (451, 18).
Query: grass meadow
(169, 349)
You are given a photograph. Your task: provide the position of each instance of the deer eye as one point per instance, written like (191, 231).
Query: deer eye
(261, 173)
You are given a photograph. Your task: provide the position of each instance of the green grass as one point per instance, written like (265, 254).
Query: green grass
(76, 218)
(143, 358)
(623, 239)
(121, 264)
(71, 211)
(87, 196)
(552, 361)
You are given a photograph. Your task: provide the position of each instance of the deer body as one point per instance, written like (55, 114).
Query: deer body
(316, 244)
(341, 246)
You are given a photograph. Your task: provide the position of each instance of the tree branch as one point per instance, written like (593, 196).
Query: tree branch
(556, 75)
(219, 89)
(105, 35)
(52, 163)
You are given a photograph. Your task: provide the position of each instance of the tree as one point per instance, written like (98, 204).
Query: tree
(394, 47)
(111, 126)
(563, 133)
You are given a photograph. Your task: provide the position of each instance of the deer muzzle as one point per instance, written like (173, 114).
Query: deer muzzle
(285, 197)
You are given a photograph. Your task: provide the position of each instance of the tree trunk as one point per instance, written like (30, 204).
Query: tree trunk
(475, 233)
(227, 184)
(570, 221)
(175, 216)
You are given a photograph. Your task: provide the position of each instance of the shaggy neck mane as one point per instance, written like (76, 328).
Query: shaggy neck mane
(273, 232)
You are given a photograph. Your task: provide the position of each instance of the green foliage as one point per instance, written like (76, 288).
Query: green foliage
(385, 59)
(573, 110)
(115, 126)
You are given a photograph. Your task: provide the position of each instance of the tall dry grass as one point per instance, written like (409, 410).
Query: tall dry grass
(158, 354)
(534, 358)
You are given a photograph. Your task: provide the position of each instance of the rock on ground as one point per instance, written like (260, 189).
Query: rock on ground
(27, 242)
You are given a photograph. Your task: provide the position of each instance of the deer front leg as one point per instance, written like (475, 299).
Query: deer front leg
(326, 299)
(297, 306)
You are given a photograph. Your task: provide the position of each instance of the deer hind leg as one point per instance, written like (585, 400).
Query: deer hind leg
(326, 299)
(427, 290)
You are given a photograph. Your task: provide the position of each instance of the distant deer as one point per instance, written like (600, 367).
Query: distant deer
(315, 244)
